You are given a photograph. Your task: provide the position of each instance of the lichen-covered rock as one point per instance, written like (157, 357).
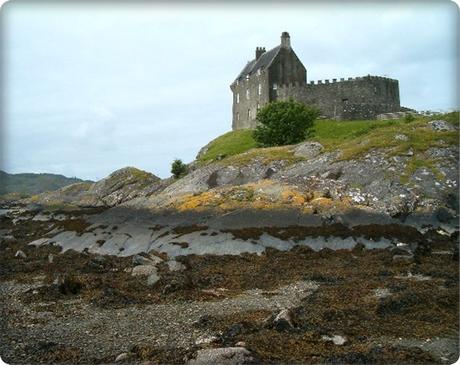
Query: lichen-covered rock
(441, 126)
(308, 149)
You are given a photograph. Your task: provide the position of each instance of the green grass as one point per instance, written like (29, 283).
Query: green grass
(353, 138)
(229, 144)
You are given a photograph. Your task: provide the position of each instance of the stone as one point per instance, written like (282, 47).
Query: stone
(336, 339)
(141, 260)
(283, 320)
(144, 270)
(222, 356)
(308, 149)
(174, 265)
(153, 278)
(206, 340)
(20, 254)
(441, 126)
(401, 137)
(122, 357)
(403, 258)
(9, 239)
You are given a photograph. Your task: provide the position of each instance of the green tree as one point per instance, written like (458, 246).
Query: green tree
(284, 122)
(178, 168)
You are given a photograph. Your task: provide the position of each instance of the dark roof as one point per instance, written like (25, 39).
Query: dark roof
(264, 60)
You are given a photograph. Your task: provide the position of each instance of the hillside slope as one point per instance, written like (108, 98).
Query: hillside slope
(29, 183)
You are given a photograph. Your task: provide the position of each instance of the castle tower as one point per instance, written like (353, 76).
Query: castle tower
(285, 40)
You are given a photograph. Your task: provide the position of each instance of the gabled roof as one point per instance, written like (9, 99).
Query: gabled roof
(263, 62)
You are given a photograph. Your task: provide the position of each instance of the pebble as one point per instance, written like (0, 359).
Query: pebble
(20, 254)
(336, 339)
(122, 357)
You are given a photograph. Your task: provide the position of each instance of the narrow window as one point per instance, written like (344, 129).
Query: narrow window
(260, 89)
(237, 82)
(237, 116)
(238, 97)
(258, 72)
(258, 106)
(247, 94)
(275, 86)
(247, 77)
(249, 113)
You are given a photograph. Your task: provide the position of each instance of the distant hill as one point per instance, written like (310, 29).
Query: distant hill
(29, 183)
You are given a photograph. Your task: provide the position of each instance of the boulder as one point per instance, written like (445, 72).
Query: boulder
(223, 356)
(153, 278)
(441, 126)
(142, 260)
(174, 265)
(144, 270)
(308, 149)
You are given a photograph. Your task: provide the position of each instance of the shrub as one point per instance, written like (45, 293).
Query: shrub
(408, 118)
(284, 122)
(178, 168)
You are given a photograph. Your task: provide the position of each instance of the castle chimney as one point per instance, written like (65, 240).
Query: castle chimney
(259, 52)
(285, 40)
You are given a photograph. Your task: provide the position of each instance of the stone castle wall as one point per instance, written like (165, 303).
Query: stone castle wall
(353, 98)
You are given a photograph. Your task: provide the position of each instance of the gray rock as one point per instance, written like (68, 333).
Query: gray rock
(441, 126)
(122, 357)
(403, 258)
(308, 149)
(9, 239)
(144, 270)
(283, 320)
(153, 278)
(401, 137)
(141, 260)
(20, 254)
(222, 356)
(336, 339)
(174, 265)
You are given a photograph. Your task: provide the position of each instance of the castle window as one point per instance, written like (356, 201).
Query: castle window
(258, 106)
(238, 97)
(247, 94)
(260, 89)
(237, 116)
(237, 82)
(249, 113)
(247, 77)
(258, 72)
(275, 86)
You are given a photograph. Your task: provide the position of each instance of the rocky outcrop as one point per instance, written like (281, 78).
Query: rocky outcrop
(120, 186)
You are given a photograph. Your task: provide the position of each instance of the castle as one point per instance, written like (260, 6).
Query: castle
(278, 74)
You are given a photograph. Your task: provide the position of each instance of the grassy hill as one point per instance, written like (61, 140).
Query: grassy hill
(28, 183)
(352, 137)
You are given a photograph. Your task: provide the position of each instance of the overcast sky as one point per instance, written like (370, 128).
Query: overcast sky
(90, 88)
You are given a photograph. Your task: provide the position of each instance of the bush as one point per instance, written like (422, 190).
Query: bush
(408, 118)
(284, 122)
(178, 168)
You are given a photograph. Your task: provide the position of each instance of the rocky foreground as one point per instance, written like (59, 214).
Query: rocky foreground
(292, 254)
